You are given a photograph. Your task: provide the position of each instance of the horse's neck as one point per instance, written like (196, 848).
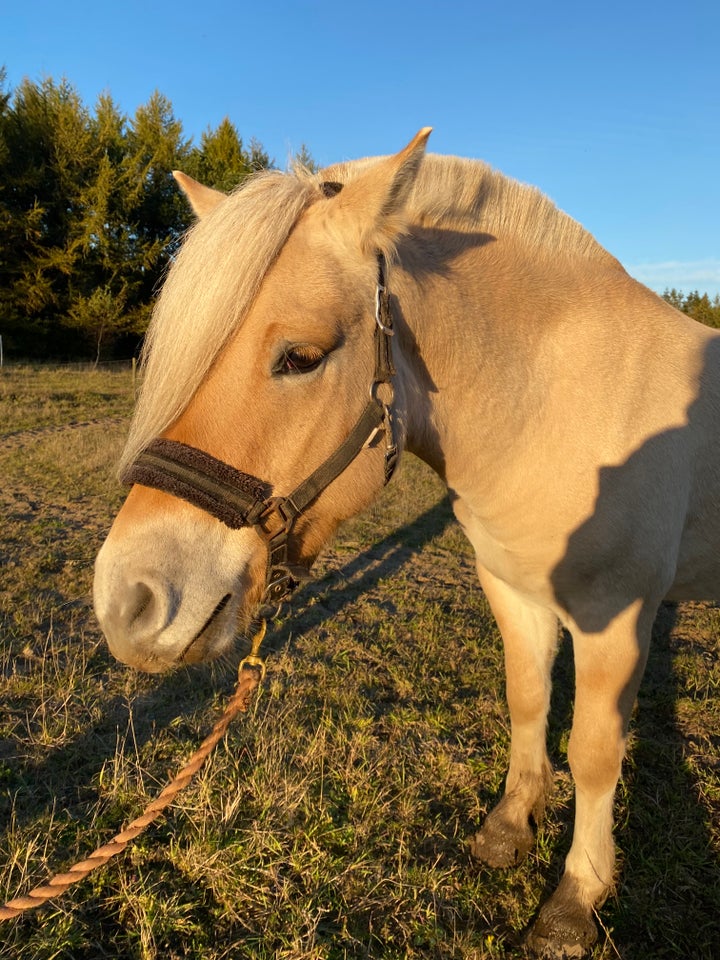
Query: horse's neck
(472, 357)
(500, 346)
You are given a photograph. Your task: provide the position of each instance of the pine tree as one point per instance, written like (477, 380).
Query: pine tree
(220, 161)
(153, 214)
(303, 158)
(696, 305)
(7, 227)
(49, 152)
(259, 158)
(90, 214)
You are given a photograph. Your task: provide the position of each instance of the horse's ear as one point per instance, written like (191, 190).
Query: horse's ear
(202, 199)
(376, 197)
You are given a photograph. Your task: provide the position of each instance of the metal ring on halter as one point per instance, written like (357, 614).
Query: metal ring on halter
(390, 391)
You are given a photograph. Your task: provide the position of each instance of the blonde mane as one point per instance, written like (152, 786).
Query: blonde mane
(225, 257)
(463, 194)
(208, 290)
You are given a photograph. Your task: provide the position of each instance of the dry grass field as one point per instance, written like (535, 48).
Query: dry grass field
(332, 821)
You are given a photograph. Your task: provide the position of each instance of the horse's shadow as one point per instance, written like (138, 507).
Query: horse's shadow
(669, 870)
(664, 840)
(669, 864)
(337, 588)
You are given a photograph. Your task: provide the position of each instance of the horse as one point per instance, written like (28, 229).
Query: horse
(316, 326)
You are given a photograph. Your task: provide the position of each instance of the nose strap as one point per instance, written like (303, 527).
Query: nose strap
(233, 497)
(238, 499)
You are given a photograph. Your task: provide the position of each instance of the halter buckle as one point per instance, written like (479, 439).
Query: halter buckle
(280, 582)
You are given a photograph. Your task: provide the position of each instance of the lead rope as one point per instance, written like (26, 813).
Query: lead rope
(250, 673)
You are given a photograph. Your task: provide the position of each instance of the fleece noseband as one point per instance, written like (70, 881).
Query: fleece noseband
(238, 499)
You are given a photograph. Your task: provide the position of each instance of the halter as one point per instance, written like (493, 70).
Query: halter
(238, 499)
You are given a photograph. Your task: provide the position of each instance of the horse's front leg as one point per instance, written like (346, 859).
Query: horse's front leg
(530, 635)
(608, 669)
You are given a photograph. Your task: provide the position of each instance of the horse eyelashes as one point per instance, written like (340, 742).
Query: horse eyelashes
(300, 360)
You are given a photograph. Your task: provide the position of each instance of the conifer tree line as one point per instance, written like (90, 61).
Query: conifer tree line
(90, 215)
(697, 305)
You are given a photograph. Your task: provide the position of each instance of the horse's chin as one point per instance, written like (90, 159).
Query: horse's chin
(204, 648)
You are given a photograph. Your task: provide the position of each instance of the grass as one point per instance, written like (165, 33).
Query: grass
(331, 823)
(33, 397)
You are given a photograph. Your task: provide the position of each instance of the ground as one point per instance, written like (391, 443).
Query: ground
(332, 822)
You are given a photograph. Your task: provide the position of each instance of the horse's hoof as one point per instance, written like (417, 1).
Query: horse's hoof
(501, 843)
(563, 931)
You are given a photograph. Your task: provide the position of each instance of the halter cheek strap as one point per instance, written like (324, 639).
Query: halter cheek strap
(239, 500)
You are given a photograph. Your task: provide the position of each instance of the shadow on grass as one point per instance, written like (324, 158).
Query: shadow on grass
(669, 885)
(667, 901)
(63, 779)
(337, 588)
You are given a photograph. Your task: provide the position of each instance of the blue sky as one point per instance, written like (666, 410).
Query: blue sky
(613, 108)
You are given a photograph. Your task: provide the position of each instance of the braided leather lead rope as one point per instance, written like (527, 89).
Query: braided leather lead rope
(250, 673)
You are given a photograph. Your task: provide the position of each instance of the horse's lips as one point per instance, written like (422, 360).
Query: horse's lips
(205, 628)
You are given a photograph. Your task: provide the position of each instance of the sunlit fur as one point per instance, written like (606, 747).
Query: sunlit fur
(572, 414)
(209, 289)
(226, 255)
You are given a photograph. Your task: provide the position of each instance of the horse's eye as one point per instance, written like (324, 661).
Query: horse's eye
(300, 359)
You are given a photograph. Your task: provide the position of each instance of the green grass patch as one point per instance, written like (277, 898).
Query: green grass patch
(35, 396)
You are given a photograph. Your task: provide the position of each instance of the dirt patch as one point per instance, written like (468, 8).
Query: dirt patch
(23, 438)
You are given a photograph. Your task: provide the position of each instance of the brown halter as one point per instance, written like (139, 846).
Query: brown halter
(238, 499)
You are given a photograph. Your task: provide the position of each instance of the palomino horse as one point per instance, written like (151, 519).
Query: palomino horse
(571, 412)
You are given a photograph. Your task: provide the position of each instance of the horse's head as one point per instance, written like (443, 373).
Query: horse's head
(263, 362)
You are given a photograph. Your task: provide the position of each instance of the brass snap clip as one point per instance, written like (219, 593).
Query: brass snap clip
(253, 659)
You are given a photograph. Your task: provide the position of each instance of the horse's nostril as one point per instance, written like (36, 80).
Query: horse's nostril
(143, 609)
(142, 597)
